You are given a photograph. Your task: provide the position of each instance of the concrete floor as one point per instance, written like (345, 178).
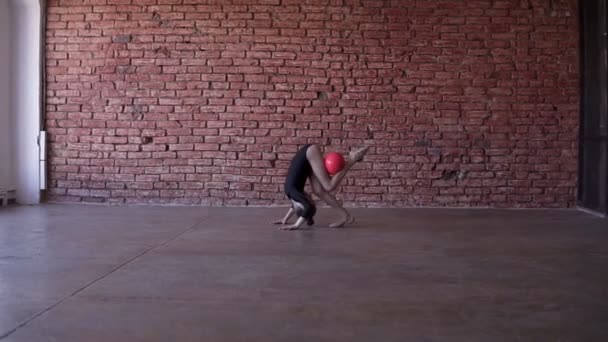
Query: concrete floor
(98, 273)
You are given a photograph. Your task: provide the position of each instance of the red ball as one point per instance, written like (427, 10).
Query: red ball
(334, 163)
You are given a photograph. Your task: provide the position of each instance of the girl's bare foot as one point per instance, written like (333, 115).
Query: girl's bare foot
(358, 154)
(347, 219)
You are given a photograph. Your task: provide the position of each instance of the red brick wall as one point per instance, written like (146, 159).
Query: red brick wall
(465, 103)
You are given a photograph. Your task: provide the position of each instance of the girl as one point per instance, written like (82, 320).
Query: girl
(307, 164)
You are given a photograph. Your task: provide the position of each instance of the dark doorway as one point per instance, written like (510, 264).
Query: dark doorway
(593, 177)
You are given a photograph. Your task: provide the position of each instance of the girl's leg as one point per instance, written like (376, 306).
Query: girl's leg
(332, 202)
(315, 158)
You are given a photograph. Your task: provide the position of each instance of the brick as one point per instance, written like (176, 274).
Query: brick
(204, 103)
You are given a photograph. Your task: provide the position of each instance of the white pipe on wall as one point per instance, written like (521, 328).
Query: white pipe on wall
(26, 76)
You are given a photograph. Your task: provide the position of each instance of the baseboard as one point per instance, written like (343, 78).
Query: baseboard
(592, 212)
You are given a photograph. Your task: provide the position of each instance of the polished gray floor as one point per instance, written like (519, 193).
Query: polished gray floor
(101, 273)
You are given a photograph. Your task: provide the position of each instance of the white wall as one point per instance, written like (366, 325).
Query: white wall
(26, 69)
(6, 147)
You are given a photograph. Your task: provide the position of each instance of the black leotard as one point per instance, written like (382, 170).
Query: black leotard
(299, 172)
